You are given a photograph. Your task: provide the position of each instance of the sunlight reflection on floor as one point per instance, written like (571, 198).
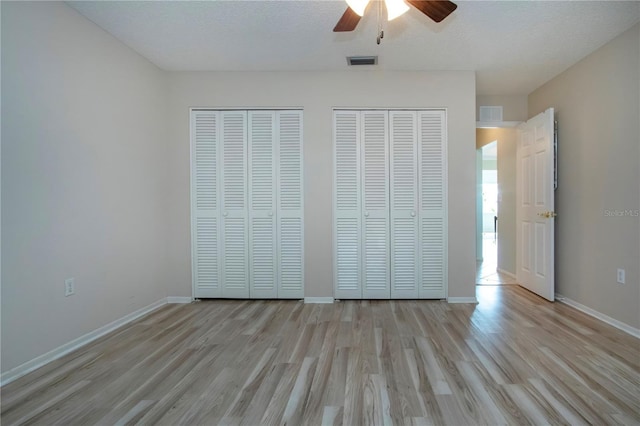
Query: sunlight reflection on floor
(486, 273)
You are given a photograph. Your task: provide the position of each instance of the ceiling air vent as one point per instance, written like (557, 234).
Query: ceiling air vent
(362, 60)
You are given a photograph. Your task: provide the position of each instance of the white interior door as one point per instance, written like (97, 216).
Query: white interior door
(375, 205)
(235, 275)
(405, 276)
(205, 226)
(535, 205)
(262, 205)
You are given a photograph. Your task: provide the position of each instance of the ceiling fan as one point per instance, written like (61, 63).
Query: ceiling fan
(434, 9)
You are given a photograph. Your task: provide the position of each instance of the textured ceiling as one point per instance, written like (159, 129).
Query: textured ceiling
(514, 46)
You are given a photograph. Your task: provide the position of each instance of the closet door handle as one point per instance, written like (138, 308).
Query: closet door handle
(366, 214)
(413, 214)
(225, 214)
(270, 214)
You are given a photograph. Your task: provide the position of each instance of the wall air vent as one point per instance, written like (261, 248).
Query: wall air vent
(490, 113)
(362, 60)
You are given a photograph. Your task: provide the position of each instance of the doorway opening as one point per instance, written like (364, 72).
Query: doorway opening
(488, 232)
(494, 250)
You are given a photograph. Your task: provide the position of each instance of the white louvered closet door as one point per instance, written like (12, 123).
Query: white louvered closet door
(433, 225)
(375, 205)
(405, 277)
(262, 205)
(290, 205)
(235, 276)
(205, 131)
(347, 212)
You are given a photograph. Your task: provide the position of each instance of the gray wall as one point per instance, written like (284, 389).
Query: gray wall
(597, 107)
(318, 93)
(507, 144)
(514, 107)
(84, 179)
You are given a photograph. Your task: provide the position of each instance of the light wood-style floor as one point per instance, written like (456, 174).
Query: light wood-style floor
(512, 359)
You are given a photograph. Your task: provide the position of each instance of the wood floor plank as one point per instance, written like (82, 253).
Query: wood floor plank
(514, 358)
(332, 416)
(476, 385)
(28, 415)
(263, 395)
(278, 403)
(133, 415)
(300, 394)
(251, 386)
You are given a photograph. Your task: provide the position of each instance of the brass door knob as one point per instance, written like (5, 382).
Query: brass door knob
(548, 215)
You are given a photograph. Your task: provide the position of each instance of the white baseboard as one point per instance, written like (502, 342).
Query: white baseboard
(29, 366)
(462, 300)
(602, 317)
(507, 273)
(318, 299)
(179, 299)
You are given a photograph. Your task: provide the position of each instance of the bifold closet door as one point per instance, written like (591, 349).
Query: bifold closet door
(276, 227)
(361, 200)
(405, 242)
(390, 204)
(418, 205)
(247, 204)
(219, 200)
(205, 226)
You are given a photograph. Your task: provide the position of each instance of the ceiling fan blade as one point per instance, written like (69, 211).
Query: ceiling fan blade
(434, 9)
(348, 22)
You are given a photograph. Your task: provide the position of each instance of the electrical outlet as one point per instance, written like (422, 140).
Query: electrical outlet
(69, 287)
(621, 276)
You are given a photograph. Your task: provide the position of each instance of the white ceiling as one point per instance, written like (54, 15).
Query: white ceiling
(514, 46)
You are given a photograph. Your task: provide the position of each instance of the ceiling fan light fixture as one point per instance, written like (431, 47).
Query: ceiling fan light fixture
(358, 6)
(395, 8)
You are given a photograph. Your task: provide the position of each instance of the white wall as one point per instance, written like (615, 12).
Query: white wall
(598, 111)
(318, 93)
(84, 179)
